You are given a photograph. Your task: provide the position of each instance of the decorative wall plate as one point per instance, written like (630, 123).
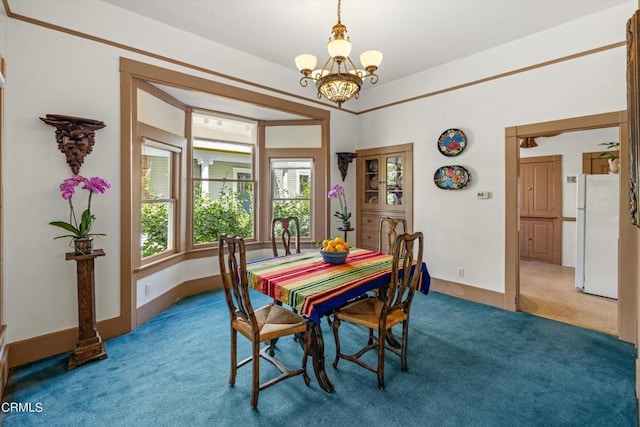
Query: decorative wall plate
(452, 142)
(451, 177)
(373, 165)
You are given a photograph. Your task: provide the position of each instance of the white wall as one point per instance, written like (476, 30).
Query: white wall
(52, 72)
(462, 231)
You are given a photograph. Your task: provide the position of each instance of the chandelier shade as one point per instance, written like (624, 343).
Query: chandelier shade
(339, 87)
(339, 80)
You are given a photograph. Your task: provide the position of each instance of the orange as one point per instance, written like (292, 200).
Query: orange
(340, 248)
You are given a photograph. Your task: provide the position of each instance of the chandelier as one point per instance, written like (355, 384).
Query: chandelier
(339, 79)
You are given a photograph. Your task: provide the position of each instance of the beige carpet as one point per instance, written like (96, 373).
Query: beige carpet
(547, 290)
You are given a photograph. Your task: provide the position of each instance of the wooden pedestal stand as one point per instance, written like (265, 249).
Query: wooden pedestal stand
(89, 346)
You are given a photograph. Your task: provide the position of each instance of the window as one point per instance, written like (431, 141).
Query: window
(158, 198)
(223, 181)
(291, 191)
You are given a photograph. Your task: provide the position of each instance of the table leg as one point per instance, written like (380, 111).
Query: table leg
(317, 356)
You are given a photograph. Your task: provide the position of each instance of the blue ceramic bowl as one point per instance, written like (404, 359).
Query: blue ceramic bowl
(334, 257)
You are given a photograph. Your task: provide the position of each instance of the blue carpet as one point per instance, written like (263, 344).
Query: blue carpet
(469, 365)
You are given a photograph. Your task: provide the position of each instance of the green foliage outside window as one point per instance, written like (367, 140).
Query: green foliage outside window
(231, 213)
(298, 208)
(155, 226)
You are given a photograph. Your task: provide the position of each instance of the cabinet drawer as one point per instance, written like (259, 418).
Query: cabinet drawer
(369, 240)
(370, 223)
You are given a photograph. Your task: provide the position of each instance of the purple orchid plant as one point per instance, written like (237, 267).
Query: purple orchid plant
(83, 228)
(337, 191)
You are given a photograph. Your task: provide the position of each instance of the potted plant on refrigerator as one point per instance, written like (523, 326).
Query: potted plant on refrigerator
(613, 155)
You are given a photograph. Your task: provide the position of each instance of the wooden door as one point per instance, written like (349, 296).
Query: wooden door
(537, 189)
(540, 206)
(537, 239)
(541, 239)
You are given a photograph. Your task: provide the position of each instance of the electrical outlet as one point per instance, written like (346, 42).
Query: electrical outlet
(460, 272)
(147, 289)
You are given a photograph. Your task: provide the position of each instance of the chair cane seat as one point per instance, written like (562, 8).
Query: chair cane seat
(366, 312)
(273, 322)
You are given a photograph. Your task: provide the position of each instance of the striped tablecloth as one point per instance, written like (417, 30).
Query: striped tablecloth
(305, 282)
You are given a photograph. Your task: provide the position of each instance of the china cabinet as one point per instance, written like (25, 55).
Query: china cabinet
(384, 185)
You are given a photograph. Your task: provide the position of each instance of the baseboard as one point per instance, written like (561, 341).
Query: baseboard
(43, 346)
(166, 300)
(471, 293)
(4, 362)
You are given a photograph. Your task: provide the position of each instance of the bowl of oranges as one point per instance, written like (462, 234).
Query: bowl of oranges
(335, 251)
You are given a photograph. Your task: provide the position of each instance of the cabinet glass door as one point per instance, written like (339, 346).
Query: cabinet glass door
(394, 180)
(371, 182)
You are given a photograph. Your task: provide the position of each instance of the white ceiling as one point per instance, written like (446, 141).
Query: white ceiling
(414, 35)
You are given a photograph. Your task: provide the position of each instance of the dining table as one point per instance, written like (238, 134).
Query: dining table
(315, 288)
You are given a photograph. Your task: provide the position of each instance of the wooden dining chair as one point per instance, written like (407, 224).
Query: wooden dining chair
(281, 230)
(390, 233)
(281, 235)
(262, 325)
(391, 307)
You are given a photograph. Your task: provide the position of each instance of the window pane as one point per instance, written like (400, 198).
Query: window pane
(157, 227)
(156, 173)
(291, 191)
(157, 210)
(222, 210)
(223, 182)
(223, 191)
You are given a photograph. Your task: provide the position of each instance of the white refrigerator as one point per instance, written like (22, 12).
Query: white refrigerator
(597, 234)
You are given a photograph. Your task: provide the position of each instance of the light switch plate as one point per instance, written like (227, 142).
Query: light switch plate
(482, 195)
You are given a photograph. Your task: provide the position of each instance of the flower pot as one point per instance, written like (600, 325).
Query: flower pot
(614, 165)
(83, 245)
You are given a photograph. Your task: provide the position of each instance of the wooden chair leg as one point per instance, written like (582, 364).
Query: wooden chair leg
(381, 344)
(405, 340)
(255, 387)
(234, 356)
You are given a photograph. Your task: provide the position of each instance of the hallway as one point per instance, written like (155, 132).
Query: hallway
(547, 290)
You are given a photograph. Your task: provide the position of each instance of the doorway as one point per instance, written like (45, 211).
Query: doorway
(550, 174)
(626, 304)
